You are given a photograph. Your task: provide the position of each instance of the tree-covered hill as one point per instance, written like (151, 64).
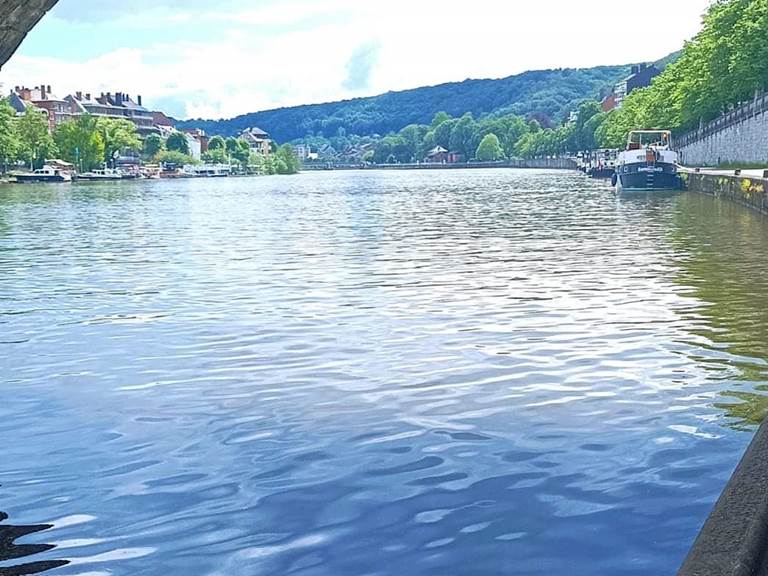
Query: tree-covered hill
(542, 94)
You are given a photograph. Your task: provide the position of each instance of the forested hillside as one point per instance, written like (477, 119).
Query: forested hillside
(546, 94)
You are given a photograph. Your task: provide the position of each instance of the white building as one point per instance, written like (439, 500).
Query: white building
(195, 147)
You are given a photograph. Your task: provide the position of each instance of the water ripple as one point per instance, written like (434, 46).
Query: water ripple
(442, 372)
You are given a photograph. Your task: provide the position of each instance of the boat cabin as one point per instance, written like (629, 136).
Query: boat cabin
(639, 139)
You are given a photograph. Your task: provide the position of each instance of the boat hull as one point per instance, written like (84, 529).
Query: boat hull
(86, 178)
(32, 179)
(647, 178)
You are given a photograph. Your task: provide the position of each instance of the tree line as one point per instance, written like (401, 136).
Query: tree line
(723, 65)
(489, 139)
(90, 142)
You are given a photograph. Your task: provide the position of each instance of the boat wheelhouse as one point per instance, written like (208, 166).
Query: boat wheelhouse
(647, 164)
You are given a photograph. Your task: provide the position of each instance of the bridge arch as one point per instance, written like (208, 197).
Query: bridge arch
(17, 18)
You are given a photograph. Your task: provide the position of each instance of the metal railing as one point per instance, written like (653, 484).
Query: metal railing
(747, 111)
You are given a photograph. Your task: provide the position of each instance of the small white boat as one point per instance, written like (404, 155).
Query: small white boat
(648, 164)
(101, 174)
(45, 174)
(209, 170)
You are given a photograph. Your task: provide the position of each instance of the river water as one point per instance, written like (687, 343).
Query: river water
(372, 373)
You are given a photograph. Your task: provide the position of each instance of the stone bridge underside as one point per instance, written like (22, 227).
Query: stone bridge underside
(17, 18)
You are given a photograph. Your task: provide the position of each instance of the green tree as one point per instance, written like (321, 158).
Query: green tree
(724, 64)
(489, 149)
(216, 156)
(35, 141)
(9, 144)
(231, 145)
(153, 144)
(443, 133)
(286, 160)
(463, 136)
(439, 118)
(174, 157)
(177, 142)
(118, 135)
(241, 152)
(80, 142)
(413, 135)
(216, 143)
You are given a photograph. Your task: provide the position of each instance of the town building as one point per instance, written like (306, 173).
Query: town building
(117, 106)
(302, 151)
(198, 135)
(42, 97)
(439, 155)
(194, 145)
(161, 119)
(258, 140)
(609, 102)
(641, 77)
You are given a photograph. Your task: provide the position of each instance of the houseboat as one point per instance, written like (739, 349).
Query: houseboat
(647, 164)
(47, 173)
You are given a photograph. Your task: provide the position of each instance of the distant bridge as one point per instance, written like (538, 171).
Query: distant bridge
(17, 18)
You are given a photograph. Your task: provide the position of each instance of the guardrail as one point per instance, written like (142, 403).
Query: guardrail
(748, 110)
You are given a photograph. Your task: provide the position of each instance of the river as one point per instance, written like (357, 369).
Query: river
(372, 373)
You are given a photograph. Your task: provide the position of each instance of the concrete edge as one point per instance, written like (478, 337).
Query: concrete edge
(734, 539)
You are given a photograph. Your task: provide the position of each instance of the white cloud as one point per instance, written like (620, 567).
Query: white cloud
(287, 53)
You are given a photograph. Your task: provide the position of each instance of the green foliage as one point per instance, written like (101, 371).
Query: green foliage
(443, 133)
(287, 162)
(216, 143)
(544, 143)
(216, 156)
(35, 143)
(153, 145)
(80, 142)
(118, 135)
(177, 142)
(439, 118)
(463, 137)
(231, 144)
(174, 157)
(489, 149)
(590, 116)
(550, 93)
(724, 64)
(9, 145)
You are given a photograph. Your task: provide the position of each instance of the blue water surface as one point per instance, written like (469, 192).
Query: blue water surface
(373, 373)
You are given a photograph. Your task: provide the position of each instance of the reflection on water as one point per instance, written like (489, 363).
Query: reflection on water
(726, 267)
(414, 373)
(14, 556)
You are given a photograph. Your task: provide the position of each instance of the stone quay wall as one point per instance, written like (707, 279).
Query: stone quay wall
(740, 136)
(747, 191)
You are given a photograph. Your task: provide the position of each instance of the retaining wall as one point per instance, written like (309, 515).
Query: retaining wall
(750, 192)
(738, 136)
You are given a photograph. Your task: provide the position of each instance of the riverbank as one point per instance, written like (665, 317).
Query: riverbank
(746, 187)
(536, 163)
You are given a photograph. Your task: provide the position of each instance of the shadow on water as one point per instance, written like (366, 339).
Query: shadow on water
(11, 552)
(724, 260)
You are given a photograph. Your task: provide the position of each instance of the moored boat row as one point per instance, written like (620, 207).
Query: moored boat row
(56, 171)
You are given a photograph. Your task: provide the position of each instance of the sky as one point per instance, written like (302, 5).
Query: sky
(204, 59)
